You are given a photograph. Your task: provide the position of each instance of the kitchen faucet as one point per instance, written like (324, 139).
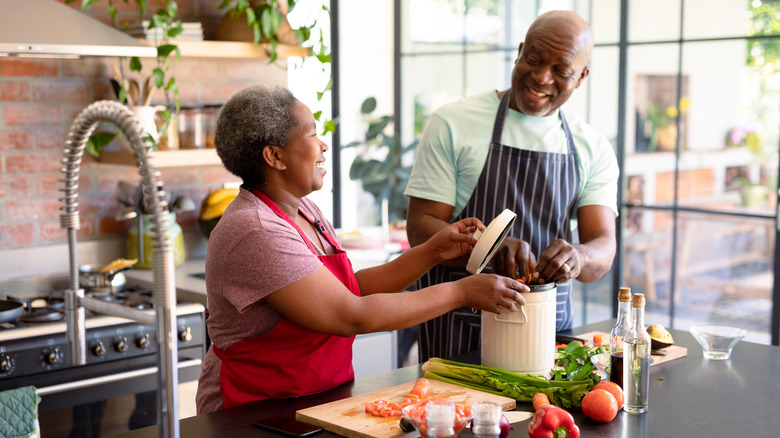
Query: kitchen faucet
(164, 290)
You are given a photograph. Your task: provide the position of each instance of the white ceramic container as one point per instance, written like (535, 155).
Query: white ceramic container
(523, 341)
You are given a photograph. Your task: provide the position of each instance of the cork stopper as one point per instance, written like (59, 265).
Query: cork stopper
(624, 296)
(638, 301)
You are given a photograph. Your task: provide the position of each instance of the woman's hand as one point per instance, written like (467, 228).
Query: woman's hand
(455, 239)
(491, 292)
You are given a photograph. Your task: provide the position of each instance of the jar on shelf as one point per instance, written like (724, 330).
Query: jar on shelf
(191, 133)
(210, 116)
(169, 136)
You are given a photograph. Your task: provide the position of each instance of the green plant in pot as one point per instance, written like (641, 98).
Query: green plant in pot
(753, 192)
(379, 164)
(138, 93)
(264, 22)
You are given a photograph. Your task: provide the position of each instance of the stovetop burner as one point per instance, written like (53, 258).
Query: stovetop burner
(44, 314)
(50, 307)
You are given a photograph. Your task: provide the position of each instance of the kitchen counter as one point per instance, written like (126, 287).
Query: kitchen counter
(188, 287)
(690, 396)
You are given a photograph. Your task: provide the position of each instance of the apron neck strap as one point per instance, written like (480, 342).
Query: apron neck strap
(279, 212)
(498, 125)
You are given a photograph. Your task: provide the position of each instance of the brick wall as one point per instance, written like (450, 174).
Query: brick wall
(39, 100)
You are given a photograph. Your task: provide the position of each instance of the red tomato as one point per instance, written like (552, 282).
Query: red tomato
(599, 405)
(614, 389)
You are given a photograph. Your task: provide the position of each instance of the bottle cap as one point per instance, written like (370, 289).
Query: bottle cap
(638, 301)
(624, 296)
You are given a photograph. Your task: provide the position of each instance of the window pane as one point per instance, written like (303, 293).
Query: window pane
(729, 18)
(728, 138)
(489, 70)
(648, 258)
(433, 80)
(605, 21)
(652, 89)
(597, 98)
(653, 20)
(724, 273)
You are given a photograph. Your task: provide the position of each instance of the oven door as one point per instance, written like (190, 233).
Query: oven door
(92, 405)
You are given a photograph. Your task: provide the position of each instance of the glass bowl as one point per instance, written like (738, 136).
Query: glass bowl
(415, 415)
(717, 341)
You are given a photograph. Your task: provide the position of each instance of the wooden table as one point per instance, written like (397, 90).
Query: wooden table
(690, 396)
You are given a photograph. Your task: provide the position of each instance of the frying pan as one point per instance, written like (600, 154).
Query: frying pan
(10, 310)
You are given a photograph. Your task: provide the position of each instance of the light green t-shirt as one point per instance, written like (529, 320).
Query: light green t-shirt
(455, 143)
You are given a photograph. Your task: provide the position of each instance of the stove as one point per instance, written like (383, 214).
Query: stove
(122, 361)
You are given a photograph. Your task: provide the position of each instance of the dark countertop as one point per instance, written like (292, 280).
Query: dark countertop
(697, 397)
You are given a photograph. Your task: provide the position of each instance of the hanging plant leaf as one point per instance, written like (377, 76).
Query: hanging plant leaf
(98, 141)
(368, 106)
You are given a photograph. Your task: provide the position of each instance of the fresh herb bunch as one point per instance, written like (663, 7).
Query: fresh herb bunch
(576, 363)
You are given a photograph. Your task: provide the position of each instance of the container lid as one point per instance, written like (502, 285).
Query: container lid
(489, 240)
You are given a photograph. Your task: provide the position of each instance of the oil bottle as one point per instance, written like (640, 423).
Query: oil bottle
(617, 334)
(636, 360)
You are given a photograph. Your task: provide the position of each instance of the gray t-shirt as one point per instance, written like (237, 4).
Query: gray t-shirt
(252, 253)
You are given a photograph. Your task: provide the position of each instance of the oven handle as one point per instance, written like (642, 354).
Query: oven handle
(86, 383)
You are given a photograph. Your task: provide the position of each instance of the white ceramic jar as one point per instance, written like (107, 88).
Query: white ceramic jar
(522, 341)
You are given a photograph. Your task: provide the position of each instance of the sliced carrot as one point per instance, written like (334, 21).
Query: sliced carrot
(540, 399)
(597, 340)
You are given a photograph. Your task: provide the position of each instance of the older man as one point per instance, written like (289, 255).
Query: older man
(518, 149)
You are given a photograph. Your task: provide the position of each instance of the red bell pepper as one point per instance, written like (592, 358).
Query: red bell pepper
(550, 421)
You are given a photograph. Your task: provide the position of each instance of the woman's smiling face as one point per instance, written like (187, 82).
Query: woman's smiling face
(304, 153)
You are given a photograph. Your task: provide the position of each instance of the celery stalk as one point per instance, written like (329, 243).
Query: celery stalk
(521, 387)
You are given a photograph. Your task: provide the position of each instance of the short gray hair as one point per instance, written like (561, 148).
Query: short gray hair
(255, 117)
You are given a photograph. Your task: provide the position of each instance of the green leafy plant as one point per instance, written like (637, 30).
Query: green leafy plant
(161, 77)
(267, 19)
(379, 165)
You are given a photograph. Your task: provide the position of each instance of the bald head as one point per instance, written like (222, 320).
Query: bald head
(567, 24)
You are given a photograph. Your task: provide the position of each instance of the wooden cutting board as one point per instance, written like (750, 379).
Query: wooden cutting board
(660, 356)
(348, 417)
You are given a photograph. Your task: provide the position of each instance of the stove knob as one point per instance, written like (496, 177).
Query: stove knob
(186, 335)
(99, 349)
(53, 356)
(5, 363)
(143, 342)
(121, 346)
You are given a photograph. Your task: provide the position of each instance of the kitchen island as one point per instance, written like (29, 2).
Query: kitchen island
(689, 396)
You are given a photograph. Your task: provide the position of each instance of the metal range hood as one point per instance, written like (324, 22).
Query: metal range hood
(49, 29)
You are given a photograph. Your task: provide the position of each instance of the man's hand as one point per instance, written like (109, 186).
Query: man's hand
(560, 262)
(513, 259)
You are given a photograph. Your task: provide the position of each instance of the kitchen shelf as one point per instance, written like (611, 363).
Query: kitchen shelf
(232, 49)
(175, 158)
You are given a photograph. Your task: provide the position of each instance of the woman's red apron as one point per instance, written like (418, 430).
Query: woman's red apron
(289, 361)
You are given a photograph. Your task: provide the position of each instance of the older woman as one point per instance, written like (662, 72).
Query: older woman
(284, 303)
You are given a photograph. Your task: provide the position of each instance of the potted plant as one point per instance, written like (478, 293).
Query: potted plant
(137, 93)
(379, 166)
(266, 25)
(753, 191)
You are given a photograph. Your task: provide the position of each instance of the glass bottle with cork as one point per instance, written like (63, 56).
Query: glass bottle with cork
(636, 359)
(617, 334)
